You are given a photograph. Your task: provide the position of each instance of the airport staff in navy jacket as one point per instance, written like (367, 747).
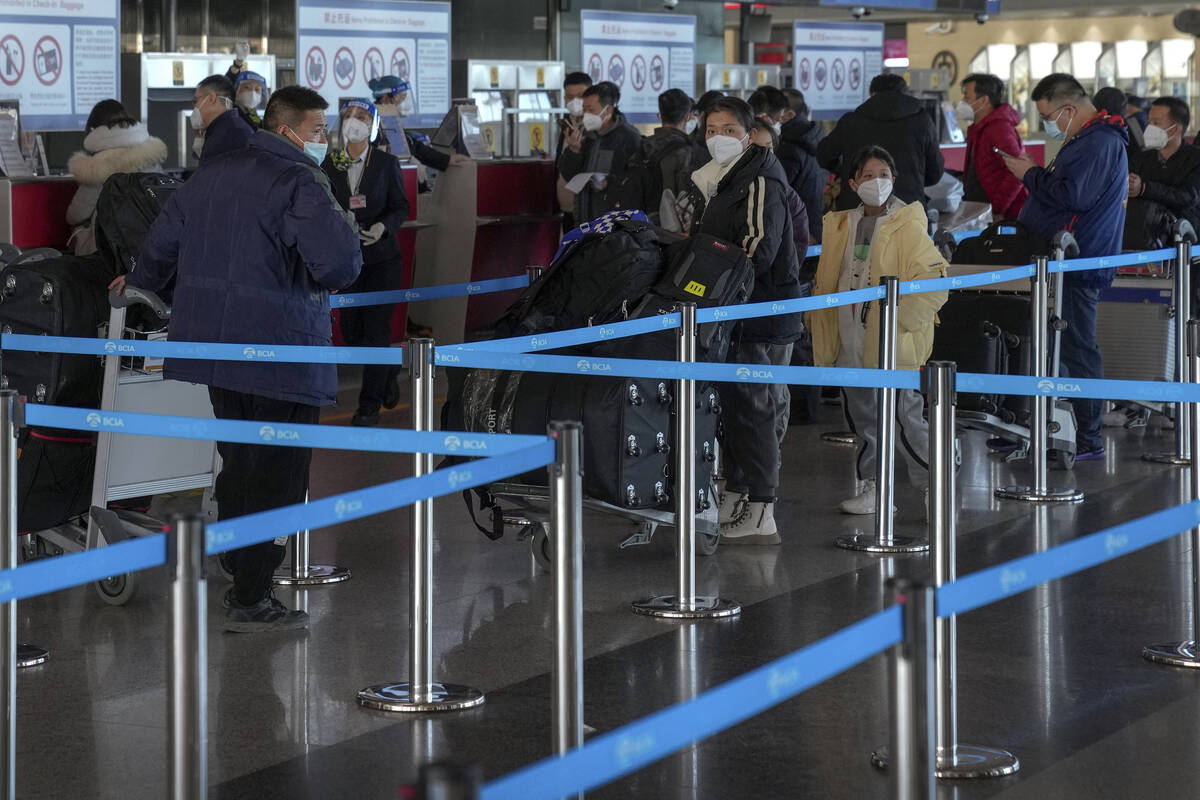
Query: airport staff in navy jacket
(368, 183)
(255, 243)
(1082, 192)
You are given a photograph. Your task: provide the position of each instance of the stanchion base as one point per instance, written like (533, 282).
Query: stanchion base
(839, 437)
(318, 575)
(1173, 459)
(1176, 654)
(399, 697)
(669, 607)
(29, 655)
(1030, 494)
(868, 543)
(970, 761)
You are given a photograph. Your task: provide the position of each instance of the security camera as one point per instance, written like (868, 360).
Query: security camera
(981, 18)
(858, 12)
(670, 4)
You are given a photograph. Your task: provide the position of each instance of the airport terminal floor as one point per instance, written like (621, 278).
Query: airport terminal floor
(1055, 675)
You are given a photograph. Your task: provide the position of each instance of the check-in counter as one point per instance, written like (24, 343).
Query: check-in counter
(492, 219)
(33, 211)
(955, 155)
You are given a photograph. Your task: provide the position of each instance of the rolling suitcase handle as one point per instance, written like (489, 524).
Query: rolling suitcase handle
(133, 296)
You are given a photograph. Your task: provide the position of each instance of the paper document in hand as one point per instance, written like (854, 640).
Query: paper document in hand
(576, 184)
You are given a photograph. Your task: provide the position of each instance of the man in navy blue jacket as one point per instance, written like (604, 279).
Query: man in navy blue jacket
(220, 127)
(1083, 192)
(255, 242)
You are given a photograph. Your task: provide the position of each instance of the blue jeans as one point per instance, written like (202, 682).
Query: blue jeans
(1080, 358)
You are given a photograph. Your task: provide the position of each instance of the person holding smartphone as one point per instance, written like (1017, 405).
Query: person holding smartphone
(992, 135)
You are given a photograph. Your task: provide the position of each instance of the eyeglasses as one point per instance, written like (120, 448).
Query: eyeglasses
(1054, 114)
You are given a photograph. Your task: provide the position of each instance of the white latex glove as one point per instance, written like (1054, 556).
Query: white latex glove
(241, 50)
(459, 160)
(371, 235)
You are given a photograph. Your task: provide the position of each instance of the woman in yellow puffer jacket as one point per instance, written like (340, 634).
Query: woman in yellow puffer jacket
(861, 247)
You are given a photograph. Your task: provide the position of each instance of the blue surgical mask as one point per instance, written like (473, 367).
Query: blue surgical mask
(314, 150)
(1051, 126)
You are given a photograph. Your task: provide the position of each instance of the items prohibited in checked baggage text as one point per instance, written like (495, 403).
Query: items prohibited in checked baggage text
(314, 67)
(12, 60)
(343, 68)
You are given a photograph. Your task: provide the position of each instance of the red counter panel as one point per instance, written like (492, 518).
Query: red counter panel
(39, 213)
(955, 155)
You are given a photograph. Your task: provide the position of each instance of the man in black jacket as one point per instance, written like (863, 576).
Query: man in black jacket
(369, 184)
(799, 158)
(669, 150)
(1164, 179)
(601, 148)
(741, 197)
(898, 123)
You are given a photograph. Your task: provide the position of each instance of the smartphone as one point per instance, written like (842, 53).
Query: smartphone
(1000, 152)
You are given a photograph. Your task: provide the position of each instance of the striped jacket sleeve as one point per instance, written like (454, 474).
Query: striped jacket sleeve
(766, 223)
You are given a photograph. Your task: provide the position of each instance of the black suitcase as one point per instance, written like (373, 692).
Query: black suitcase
(1002, 244)
(64, 296)
(974, 327)
(54, 477)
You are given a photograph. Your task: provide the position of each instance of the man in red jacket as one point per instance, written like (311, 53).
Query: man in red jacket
(993, 127)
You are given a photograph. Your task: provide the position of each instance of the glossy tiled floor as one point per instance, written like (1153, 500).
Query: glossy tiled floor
(1055, 674)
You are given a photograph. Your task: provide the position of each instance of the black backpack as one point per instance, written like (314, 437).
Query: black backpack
(1002, 244)
(640, 184)
(128, 204)
(597, 281)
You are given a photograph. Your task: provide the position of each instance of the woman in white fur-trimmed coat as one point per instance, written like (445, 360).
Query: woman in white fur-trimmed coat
(114, 143)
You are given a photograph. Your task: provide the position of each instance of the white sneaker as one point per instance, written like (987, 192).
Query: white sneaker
(755, 524)
(729, 507)
(863, 502)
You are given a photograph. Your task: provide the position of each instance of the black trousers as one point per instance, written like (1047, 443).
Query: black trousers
(256, 477)
(371, 326)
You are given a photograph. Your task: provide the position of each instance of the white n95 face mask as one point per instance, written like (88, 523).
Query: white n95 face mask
(964, 112)
(875, 192)
(355, 130)
(725, 149)
(691, 126)
(249, 100)
(593, 122)
(575, 106)
(1155, 138)
(196, 120)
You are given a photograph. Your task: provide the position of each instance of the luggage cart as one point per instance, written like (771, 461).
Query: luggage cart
(1062, 416)
(135, 466)
(531, 517)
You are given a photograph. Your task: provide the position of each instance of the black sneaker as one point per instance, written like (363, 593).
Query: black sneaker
(365, 419)
(267, 614)
(391, 395)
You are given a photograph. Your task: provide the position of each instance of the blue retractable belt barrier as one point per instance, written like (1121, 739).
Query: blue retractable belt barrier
(577, 336)
(211, 351)
(989, 585)
(1091, 388)
(637, 368)
(62, 572)
(1111, 262)
(360, 299)
(247, 432)
(611, 755)
(266, 525)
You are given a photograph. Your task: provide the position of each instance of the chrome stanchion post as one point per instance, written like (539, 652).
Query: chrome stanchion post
(1182, 456)
(911, 746)
(684, 604)
(187, 676)
(420, 692)
(884, 539)
(1187, 653)
(9, 409)
(566, 510)
(301, 573)
(1039, 442)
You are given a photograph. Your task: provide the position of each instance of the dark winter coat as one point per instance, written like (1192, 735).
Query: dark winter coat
(228, 132)
(602, 151)
(987, 179)
(1170, 186)
(750, 209)
(798, 155)
(1084, 192)
(382, 187)
(255, 243)
(899, 124)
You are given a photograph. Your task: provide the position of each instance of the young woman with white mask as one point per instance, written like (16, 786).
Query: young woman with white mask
(882, 237)
(741, 197)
